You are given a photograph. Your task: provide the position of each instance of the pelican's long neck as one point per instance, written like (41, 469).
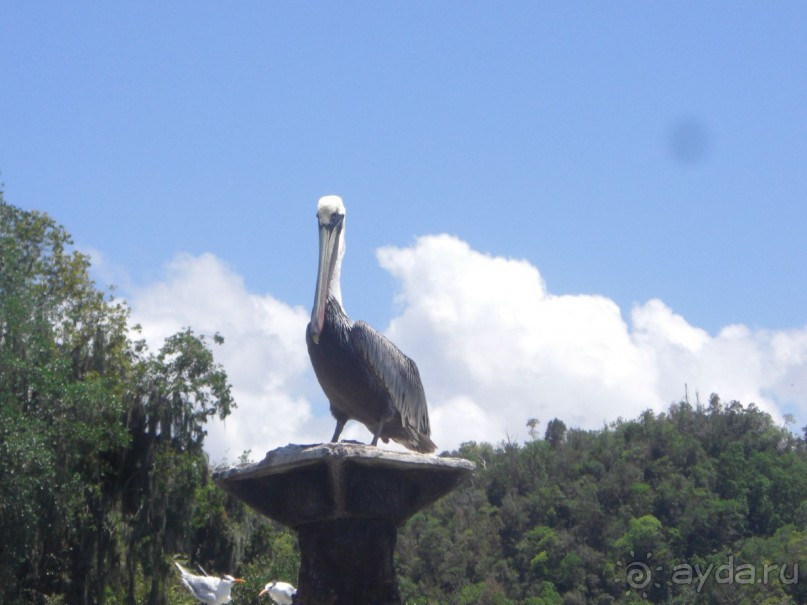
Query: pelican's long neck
(335, 286)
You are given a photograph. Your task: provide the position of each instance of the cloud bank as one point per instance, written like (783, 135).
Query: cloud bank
(494, 346)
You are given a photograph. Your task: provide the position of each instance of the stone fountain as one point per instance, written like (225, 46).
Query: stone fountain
(346, 502)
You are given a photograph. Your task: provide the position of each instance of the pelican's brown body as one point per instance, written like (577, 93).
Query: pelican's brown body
(364, 375)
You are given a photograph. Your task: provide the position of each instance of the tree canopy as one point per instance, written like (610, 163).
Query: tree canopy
(685, 506)
(102, 470)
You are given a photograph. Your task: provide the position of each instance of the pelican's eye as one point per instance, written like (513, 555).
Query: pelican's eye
(336, 218)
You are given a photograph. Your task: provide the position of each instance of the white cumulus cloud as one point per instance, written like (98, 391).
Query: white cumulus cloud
(494, 347)
(494, 343)
(486, 328)
(263, 353)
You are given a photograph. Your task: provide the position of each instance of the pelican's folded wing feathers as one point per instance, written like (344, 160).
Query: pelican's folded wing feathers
(397, 372)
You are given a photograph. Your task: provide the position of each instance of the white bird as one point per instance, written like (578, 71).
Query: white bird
(208, 589)
(280, 592)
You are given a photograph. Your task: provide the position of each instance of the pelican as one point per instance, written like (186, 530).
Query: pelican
(280, 592)
(364, 375)
(208, 589)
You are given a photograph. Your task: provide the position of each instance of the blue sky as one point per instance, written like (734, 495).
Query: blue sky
(631, 151)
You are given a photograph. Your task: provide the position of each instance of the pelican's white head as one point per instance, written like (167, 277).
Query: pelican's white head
(329, 207)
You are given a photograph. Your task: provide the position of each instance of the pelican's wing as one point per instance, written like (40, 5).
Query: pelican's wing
(397, 372)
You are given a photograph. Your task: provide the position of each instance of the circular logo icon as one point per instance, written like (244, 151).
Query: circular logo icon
(638, 575)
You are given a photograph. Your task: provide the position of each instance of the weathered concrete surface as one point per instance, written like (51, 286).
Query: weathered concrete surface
(346, 502)
(299, 484)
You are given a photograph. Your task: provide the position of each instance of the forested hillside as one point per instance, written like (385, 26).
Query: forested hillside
(687, 506)
(104, 480)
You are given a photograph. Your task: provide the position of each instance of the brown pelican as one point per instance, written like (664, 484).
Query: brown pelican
(364, 375)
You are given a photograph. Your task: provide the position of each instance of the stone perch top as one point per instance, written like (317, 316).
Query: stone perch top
(300, 484)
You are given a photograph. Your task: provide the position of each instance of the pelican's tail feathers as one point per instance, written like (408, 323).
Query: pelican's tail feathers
(409, 438)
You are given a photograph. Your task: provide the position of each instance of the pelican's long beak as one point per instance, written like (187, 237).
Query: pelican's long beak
(263, 592)
(329, 235)
(240, 580)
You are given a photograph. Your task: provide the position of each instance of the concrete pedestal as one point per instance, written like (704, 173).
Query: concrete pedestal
(346, 502)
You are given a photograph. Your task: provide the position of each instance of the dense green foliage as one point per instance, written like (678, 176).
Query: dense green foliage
(103, 478)
(102, 472)
(687, 506)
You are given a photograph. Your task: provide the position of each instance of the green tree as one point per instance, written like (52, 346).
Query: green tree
(555, 432)
(63, 365)
(101, 454)
(170, 398)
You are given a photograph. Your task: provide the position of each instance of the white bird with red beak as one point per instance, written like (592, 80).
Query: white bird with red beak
(281, 593)
(208, 589)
